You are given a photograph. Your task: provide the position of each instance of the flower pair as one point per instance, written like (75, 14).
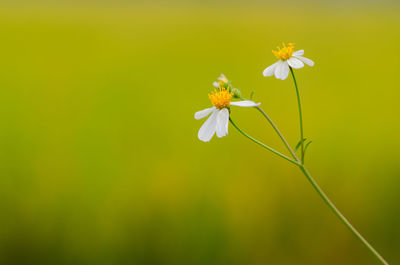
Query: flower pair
(221, 97)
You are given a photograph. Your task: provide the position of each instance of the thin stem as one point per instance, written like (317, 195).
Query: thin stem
(340, 215)
(300, 116)
(262, 144)
(300, 164)
(279, 133)
(317, 188)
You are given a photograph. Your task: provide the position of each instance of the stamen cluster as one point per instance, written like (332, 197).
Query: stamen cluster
(220, 98)
(285, 52)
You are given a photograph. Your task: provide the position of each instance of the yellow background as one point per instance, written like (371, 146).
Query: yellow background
(99, 157)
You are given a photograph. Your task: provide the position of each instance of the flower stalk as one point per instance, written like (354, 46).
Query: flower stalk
(300, 116)
(300, 163)
(217, 123)
(315, 185)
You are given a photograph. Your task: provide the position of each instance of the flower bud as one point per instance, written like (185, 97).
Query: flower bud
(236, 92)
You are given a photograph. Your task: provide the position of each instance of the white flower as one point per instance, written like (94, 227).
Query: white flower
(217, 123)
(222, 80)
(287, 57)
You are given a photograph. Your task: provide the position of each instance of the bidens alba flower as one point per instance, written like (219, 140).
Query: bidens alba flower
(217, 123)
(287, 57)
(222, 81)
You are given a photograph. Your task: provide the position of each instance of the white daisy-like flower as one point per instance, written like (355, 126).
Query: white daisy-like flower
(222, 80)
(217, 123)
(287, 57)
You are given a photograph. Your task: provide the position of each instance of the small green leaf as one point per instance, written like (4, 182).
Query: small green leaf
(251, 95)
(305, 147)
(298, 144)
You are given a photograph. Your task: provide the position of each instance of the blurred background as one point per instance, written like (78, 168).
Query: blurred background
(99, 157)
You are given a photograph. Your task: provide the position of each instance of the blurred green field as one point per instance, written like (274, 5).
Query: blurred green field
(99, 157)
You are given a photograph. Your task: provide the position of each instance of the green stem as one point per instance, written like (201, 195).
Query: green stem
(300, 164)
(300, 116)
(262, 144)
(276, 130)
(340, 215)
(279, 133)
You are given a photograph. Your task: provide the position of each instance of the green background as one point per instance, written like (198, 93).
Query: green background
(99, 157)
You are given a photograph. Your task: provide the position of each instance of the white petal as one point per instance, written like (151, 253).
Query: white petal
(278, 64)
(295, 63)
(269, 71)
(282, 70)
(207, 131)
(216, 84)
(222, 77)
(203, 113)
(222, 123)
(305, 60)
(245, 103)
(298, 53)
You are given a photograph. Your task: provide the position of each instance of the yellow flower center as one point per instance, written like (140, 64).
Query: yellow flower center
(285, 52)
(220, 98)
